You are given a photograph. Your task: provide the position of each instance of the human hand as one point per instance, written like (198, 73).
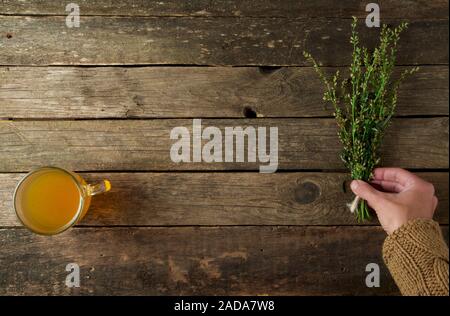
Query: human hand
(405, 197)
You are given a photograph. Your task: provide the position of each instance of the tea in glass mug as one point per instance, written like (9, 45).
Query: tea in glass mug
(49, 200)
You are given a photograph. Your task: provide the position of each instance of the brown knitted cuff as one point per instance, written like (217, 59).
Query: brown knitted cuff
(417, 257)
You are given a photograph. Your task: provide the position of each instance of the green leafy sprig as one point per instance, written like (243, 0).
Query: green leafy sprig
(364, 104)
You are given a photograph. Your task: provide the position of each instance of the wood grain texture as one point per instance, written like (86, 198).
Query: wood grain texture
(165, 92)
(145, 144)
(195, 261)
(203, 233)
(403, 9)
(160, 199)
(203, 41)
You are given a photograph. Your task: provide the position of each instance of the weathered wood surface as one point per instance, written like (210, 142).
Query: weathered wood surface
(195, 260)
(404, 9)
(145, 144)
(203, 41)
(171, 92)
(273, 245)
(160, 199)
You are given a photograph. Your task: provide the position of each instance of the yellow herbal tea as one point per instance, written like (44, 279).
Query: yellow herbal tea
(49, 200)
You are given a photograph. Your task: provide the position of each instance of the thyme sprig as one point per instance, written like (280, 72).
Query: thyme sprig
(364, 104)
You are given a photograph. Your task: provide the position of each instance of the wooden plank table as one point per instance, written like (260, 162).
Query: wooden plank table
(102, 99)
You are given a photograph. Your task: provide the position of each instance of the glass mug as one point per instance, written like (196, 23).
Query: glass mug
(49, 200)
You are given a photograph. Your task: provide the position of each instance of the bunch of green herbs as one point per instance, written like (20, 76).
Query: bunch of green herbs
(364, 104)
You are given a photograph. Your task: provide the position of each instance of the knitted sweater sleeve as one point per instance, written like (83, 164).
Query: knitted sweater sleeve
(417, 258)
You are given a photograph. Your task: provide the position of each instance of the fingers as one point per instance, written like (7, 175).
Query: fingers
(398, 175)
(389, 186)
(375, 198)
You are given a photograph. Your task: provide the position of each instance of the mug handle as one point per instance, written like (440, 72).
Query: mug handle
(98, 188)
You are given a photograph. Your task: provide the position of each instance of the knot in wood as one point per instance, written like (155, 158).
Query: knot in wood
(307, 192)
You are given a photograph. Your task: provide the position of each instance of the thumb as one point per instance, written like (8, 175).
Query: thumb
(365, 191)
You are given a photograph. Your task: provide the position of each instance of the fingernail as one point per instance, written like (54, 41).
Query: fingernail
(354, 185)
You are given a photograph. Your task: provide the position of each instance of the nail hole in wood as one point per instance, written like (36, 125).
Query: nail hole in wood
(249, 112)
(268, 69)
(8, 35)
(344, 186)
